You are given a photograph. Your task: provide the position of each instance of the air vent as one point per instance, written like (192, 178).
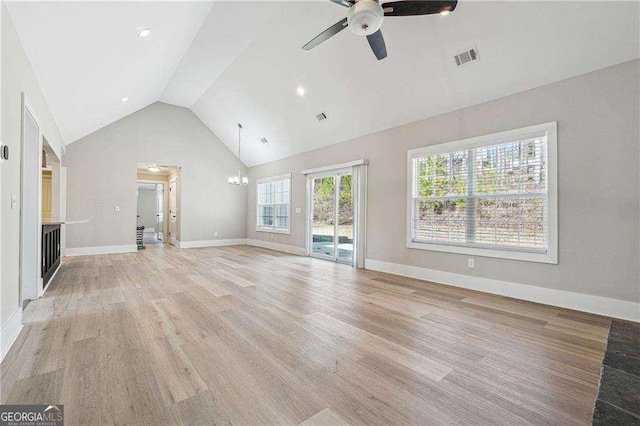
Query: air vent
(263, 140)
(322, 116)
(467, 57)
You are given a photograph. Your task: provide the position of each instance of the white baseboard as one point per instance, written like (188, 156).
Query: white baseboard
(10, 331)
(300, 251)
(614, 308)
(211, 243)
(87, 251)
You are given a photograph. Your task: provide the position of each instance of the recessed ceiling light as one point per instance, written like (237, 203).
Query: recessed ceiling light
(445, 12)
(153, 169)
(300, 91)
(144, 32)
(125, 100)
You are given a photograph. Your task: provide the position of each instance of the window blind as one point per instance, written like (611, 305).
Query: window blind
(492, 196)
(274, 203)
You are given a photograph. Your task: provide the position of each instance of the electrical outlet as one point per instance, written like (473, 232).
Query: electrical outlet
(215, 234)
(298, 210)
(471, 263)
(117, 208)
(14, 201)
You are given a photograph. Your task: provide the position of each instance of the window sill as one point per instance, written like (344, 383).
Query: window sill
(487, 252)
(274, 231)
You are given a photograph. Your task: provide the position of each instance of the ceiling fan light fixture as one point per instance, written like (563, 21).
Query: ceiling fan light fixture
(365, 17)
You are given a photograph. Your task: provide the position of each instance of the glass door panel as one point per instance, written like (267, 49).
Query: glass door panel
(323, 219)
(345, 219)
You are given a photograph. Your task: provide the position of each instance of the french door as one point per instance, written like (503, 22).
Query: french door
(332, 230)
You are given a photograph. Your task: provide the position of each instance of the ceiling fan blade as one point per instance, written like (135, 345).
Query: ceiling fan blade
(345, 3)
(376, 41)
(326, 34)
(418, 7)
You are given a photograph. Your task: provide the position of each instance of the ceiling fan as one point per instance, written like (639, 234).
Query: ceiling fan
(364, 18)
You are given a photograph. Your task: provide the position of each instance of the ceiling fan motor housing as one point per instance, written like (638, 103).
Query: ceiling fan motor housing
(365, 17)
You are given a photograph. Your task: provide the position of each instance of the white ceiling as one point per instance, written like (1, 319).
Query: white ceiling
(246, 61)
(87, 56)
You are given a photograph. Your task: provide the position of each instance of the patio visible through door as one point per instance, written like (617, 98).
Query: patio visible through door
(332, 217)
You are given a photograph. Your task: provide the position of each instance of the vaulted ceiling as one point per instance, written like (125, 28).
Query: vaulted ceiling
(242, 61)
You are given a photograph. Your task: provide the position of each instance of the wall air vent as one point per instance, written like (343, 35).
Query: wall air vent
(467, 57)
(264, 140)
(321, 117)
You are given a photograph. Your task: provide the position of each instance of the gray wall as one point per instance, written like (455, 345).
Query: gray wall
(17, 77)
(598, 155)
(147, 209)
(102, 174)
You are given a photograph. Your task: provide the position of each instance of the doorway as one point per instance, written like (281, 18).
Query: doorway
(332, 217)
(151, 212)
(336, 209)
(158, 203)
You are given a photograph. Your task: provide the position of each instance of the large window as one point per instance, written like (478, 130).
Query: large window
(491, 196)
(274, 195)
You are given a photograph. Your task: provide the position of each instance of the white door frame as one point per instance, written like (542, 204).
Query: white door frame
(165, 204)
(173, 240)
(26, 236)
(358, 171)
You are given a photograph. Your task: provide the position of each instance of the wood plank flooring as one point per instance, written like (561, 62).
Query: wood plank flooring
(245, 335)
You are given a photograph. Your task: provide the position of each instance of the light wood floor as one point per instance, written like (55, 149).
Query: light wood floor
(250, 336)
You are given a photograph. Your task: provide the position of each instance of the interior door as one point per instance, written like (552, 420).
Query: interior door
(30, 265)
(332, 217)
(160, 211)
(173, 212)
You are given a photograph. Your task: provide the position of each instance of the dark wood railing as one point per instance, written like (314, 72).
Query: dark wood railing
(50, 251)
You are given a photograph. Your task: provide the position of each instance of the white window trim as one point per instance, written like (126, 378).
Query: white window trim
(272, 229)
(551, 131)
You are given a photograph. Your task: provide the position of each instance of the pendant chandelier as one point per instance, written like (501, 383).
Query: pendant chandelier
(239, 179)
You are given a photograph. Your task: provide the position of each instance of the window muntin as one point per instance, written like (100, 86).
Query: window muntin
(274, 204)
(483, 193)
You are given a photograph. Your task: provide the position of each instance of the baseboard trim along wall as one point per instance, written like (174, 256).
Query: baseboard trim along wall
(614, 308)
(211, 243)
(87, 251)
(243, 241)
(10, 331)
(300, 251)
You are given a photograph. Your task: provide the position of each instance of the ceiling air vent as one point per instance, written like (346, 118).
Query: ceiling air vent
(321, 117)
(264, 140)
(467, 57)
